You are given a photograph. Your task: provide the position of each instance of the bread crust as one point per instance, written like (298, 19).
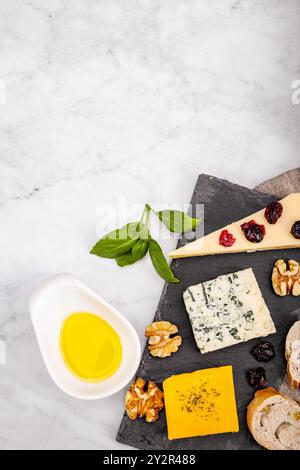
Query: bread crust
(292, 380)
(259, 397)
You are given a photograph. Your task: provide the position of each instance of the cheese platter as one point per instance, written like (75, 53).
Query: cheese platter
(218, 358)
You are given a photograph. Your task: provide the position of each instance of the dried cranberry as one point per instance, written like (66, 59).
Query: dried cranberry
(257, 378)
(253, 232)
(226, 238)
(263, 352)
(273, 212)
(296, 230)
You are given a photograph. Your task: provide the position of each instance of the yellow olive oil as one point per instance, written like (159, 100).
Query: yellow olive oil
(90, 347)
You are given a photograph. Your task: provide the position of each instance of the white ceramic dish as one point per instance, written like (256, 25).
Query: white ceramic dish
(53, 301)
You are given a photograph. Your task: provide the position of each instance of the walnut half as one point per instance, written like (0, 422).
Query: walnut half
(140, 402)
(286, 278)
(161, 342)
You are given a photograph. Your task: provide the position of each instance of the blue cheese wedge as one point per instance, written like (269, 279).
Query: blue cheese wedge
(227, 310)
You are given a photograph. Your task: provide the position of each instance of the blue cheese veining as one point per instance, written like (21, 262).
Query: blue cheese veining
(227, 310)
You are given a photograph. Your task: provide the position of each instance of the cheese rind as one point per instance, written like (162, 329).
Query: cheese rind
(227, 310)
(200, 403)
(278, 236)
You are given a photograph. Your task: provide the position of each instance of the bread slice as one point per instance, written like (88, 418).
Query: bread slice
(274, 420)
(292, 354)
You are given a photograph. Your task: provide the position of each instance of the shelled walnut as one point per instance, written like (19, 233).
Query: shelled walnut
(286, 278)
(161, 343)
(140, 402)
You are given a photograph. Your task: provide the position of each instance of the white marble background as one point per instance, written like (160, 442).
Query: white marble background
(106, 99)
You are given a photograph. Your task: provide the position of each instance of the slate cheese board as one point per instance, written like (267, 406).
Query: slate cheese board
(224, 202)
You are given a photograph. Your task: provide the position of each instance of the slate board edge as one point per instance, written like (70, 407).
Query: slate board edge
(157, 317)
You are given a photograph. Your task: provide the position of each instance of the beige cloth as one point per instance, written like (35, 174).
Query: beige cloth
(282, 185)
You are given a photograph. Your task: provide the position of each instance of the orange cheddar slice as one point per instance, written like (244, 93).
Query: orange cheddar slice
(201, 403)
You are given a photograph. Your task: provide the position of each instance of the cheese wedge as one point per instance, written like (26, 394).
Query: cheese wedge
(200, 403)
(278, 236)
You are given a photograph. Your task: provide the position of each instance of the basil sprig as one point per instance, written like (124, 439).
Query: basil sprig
(133, 241)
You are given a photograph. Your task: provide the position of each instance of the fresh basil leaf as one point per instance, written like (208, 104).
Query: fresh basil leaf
(125, 259)
(137, 252)
(117, 242)
(177, 221)
(111, 248)
(140, 249)
(160, 263)
(130, 230)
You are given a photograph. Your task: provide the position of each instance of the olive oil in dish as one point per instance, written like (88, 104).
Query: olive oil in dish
(90, 347)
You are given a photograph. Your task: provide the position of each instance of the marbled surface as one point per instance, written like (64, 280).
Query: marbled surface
(122, 103)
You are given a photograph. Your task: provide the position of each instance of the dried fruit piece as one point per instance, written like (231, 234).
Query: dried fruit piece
(226, 238)
(161, 342)
(140, 402)
(257, 378)
(263, 352)
(295, 231)
(273, 212)
(253, 232)
(286, 279)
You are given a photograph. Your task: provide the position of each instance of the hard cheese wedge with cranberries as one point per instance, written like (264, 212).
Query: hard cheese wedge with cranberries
(264, 236)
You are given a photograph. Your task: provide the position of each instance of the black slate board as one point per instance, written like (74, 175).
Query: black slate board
(224, 202)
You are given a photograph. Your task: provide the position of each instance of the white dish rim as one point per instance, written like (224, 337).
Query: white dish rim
(73, 280)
